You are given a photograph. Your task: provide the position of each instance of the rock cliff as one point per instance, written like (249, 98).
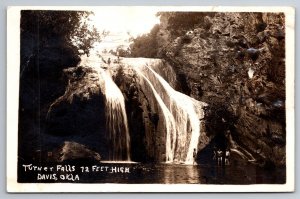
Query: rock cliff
(236, 63)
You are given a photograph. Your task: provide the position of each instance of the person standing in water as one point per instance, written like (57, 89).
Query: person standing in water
(194, 156)
(220, 157)
(227, 156)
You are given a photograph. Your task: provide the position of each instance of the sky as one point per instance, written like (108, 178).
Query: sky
(122, 23)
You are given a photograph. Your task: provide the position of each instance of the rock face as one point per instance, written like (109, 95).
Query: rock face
(79, 114)
(59, 101)
(41, 82)
(236, 61)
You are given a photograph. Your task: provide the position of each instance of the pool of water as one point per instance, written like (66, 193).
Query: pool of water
(138, 173)
(187, 174)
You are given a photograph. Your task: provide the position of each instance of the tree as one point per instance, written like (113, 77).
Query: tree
(66, 27)
(145, 45)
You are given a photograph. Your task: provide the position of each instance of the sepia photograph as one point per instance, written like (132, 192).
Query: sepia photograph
(133, 98)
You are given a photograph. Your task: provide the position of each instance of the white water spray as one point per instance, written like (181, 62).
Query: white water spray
(116, 118)
(181, 113)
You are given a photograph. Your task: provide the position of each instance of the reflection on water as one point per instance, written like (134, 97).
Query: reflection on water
(137, 173)
(187, 174)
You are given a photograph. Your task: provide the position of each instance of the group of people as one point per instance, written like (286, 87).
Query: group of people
(219, 155)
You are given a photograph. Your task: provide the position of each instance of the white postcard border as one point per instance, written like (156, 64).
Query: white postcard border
(13, 65)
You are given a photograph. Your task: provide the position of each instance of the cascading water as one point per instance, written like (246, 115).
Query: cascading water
(116, 118)
(115, 113)
(186, 119)
(181, 113)
(169, 122)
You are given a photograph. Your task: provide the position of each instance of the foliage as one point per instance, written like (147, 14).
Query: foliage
(180, 22)
(85, 37)
(177, 24)
(65, 27)
(121, 51)
(145, 45)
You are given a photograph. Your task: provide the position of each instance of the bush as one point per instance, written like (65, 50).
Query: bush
(145, 45)
(180, 22)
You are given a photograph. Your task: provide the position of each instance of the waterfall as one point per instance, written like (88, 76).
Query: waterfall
(116, 118)
(186, 119)
(167, 116)
(115, 112)
(181, 113)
